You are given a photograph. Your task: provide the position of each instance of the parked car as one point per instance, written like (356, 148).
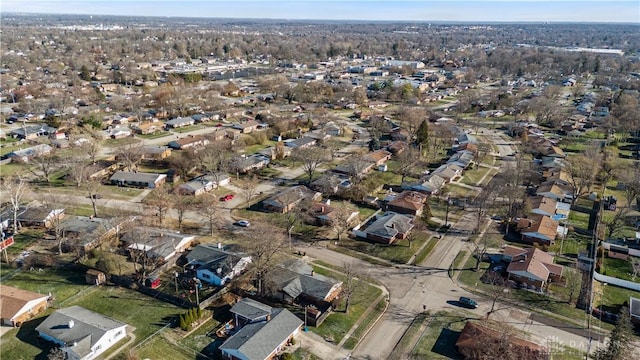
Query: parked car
(468, 303)
(227, 197)
(243, 223)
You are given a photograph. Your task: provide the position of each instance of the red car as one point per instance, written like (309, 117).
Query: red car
(227, 197)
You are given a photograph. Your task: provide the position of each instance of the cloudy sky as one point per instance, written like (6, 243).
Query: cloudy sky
(416, 10)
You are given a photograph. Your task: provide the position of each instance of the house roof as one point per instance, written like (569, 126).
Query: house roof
(251, 309)
(474, 338)
(378, 155)
(537, 224)
(532, 261)
(180, 121)
(39, 213)
(257, 341)
(87, 328)
(128, 176)
(154, 150)
(87, 229)
(551, 188)
(411, 200)
(297, 277)
(159, 242)
(544, 204)
(390, 224)
(214, 259)
(13, 300)
(194, 139)
(290, 196)
(33, 151)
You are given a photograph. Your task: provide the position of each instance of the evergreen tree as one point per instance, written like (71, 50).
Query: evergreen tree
(620, 345)
(422, 135)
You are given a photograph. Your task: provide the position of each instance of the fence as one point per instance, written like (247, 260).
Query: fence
(617, 282)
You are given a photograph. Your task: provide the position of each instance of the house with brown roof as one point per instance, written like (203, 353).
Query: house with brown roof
(247, 127)
(397, 147)
(325, 214)
(189, 142)
(18, 306)
(475, 338)
(147, 128)
(408, 202)
(155, 153)
(378, 157)
(538, 229)
(531, 266)
(555, 191)
(543, 205)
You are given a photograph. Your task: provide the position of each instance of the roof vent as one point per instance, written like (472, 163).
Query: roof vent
(71, 323)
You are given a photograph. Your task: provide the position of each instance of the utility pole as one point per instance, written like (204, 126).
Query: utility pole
(175, 278)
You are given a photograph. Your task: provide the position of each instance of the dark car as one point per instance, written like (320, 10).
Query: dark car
(468, 303)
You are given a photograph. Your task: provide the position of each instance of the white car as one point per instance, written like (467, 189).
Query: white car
(243, 223)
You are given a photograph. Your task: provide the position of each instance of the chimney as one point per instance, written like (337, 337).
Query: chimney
(322, 208)
(312, 272)
(70, 324)
(219, 245)
(393, 225)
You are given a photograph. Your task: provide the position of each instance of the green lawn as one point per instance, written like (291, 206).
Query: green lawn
(579, 219)
(338, 324)
(472, 177)
(187, 129)
(62, 284)
(400, 252)
(410, 336)
(359, 332)
(159, 348)
(156, 135)
(439, 338)
(23, 240)
(618, 268)
(571, 246)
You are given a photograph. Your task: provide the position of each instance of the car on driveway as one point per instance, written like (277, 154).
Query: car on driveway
(227, 197)
(243, 223)
(467, 302)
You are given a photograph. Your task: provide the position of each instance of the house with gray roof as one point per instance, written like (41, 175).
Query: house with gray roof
(288, 199)
(179, 122)
(32, 131)
(296, 283)
(262, 340)
(24, 155)
(82, 334)
(87, 232)
(137, 179)
(386, 228)
(248, 311)
(216, 266)
(161, 244)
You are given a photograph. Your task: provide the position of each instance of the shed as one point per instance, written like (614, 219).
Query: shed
(95, 277)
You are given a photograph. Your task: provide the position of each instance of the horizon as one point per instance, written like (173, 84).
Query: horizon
(460, 11)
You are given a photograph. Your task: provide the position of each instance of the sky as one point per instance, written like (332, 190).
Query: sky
(600, 11)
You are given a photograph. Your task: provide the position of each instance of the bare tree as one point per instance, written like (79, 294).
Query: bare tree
(92, 148)
(160, 200)
(350, 284)
(181, 204)
(310, 158)
(263, 250)
(208, 206)
(130, 156)
(498, 285)
(582, 169)
(407, 162)
(54, 202)
(342, 219)
(573, 283)
(16, 188)
(483, 203)
(44, 165)
(249, 186)
(92, 188)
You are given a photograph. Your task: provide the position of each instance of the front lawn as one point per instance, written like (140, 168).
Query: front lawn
(338, 323)
(400, 252)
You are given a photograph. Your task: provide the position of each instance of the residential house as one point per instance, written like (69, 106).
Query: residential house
(324, 213)
(386, 228)
(25, 155)
(555, 191)
(179, 122)
(397, 147)
(476, 337)
(40, 216)
(448, 172)
(101, 168)
(262, 340)
(330, 183)
(18, 306)
(301, 143)
(116, 133)
(272, 153)
(288, 199)
(462, 159)
(295, 282)
(408, 202)
(250, 163)
(191, 141)
(539, 229)
(431, 185)
(32, 132)
(543, 205)
(155, 153)
(137, 179)
(216, 266)
(378, 157)
(247, 127)
(147, 128)
(554, 151)
(249, 311)
(354, 167)
(156, 243)
(81, 334)
(202, 184)
(87, 232)
(531, 266)
(400, 134)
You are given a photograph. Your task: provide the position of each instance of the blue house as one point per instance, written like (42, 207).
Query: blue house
(214, 265)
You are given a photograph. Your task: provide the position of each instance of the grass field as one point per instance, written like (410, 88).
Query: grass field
(339, 323)
(400, 252)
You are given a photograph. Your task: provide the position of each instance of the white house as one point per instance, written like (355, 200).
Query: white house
(82, 334)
